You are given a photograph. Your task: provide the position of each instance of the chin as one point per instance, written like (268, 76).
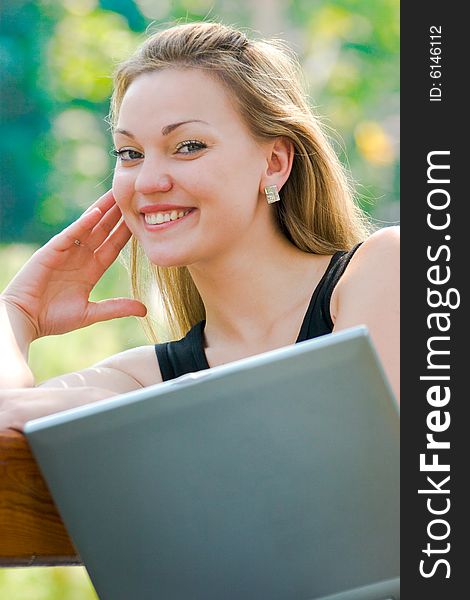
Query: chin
(160, 259)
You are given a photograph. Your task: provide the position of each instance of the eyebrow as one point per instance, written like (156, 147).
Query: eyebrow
(169, 128)
(165, 130)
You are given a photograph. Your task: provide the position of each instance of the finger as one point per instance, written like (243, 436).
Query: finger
(77, 231)
(104, 202)
(115, 308)
(10, 408)
(81, 228)
(7, 422)
(103, 228)
(112, 246)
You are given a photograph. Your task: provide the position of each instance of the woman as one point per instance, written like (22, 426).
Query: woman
(237, 207)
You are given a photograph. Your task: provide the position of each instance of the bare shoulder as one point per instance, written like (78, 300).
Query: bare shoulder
(374, 266)
(368, 293)
(382, 245)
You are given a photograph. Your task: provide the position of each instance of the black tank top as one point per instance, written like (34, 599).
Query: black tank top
(187, 354)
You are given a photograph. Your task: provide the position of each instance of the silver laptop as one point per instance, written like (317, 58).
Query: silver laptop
(275, 477)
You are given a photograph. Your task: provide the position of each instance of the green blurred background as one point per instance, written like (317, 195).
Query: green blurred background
(56, 58)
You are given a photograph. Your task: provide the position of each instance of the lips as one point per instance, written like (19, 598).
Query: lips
(155, 208)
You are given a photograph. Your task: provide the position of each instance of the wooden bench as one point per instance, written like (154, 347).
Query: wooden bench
(31, 530)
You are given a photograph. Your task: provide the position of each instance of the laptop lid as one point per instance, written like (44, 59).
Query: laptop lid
(274, 477)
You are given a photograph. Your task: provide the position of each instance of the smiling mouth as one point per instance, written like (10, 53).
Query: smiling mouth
(159, 218)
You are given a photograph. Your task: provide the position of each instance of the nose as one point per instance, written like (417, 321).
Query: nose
(151, 179)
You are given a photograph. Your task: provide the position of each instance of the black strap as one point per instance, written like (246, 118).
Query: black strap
(183, 356)
(317, 320)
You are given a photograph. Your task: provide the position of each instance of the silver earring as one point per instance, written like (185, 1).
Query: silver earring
(272, 195)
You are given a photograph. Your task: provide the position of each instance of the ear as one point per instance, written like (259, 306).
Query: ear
(279, 159)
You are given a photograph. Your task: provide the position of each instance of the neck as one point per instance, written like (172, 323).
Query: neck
(250, 288)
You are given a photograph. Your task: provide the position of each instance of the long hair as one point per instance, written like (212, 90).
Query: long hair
(317, 211)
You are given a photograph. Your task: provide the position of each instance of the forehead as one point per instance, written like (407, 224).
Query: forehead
(173, 95)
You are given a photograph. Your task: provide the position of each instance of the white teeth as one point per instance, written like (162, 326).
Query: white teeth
(160, 217)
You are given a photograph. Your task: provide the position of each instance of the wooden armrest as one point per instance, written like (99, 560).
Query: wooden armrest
(31, 530)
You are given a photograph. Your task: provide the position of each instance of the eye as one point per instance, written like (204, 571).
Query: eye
(192, 146)
(127, 154)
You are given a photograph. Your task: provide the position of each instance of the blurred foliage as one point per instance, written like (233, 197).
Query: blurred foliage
(46, 583)
(56, 60)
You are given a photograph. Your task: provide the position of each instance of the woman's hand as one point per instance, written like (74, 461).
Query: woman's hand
(52, 289)
(20, 405)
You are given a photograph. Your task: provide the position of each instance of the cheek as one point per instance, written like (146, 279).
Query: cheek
(123, 188)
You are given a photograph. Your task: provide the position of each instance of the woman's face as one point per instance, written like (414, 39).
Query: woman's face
(183, 147)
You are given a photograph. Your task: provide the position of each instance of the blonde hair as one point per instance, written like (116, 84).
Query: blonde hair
(317, 212)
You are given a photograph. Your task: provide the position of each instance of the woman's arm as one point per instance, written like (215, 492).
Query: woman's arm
(368, 293)
(20, 405)
(50, 294)
(16, 336)
(124, 372)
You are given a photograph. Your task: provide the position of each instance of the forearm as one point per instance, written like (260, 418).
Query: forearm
(16, 335)
(17, 406)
